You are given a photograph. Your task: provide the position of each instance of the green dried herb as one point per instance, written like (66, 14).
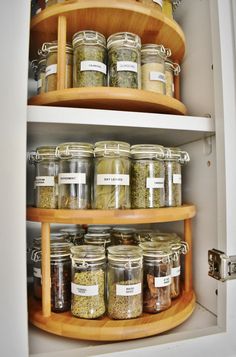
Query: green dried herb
(173, 196)
(141, 196)
(46, 197)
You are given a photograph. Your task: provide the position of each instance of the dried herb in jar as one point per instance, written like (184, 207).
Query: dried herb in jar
(173, 188)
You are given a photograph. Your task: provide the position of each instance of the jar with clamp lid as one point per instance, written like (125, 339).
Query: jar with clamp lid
(124, 60)
(46, 176)
(74, 235)
(124, 235)
(41, 73)
(75, 171)
(155, 4)
(49, 50)
(88, 281)
(112, 175)
(171, 69)
(153, 67)
(178, 247)
(124, 282)
(147, 176)
(98, 239)
(174, 159)
(89, 59)
(156, 277)
(99, 229)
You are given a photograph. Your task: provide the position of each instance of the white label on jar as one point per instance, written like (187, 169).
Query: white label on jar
(175, 271)
(37, 273)
(110, 179)
(39, 83)
(155, 182)
(159, 2)
(68, 178)
(44, 181)
(177, 178)
(84, 290)
(127, 66)
(128, 290)
(93, 66)
(157, 76)
(51, 69)
(162, 281)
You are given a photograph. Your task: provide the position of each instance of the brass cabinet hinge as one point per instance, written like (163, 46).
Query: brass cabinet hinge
(221, 266)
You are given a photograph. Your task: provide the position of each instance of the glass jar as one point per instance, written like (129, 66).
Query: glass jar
(144, 235)
(157, 4)
(124, 235)
(74, 235)
(89, 59)
(41, 73)
(99, 229)
(88, 281)
(49, 50)
(112, 175)
(124, 60)
(174, 158)
(98, 239)
(156, 277)
(125, 276)
(153, 68)
(75, 172)
(46, 176)
(147, 176)
(171, 69)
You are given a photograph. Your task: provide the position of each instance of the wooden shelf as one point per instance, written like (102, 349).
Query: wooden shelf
(128, 216)
(111, 98)
(127, 15)
(105, 329)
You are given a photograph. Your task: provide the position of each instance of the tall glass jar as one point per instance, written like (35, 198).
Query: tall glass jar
(88, 281)
(156, 4)
(46, 176)
(171, 69)
(41, 73)
(156, 277)
(75, 172)
(98, 239)
(124, 282)
(89, 59)
(112, 175)
(49, 50)
(147, 176)
(74, 235)
(124, 60)
(124, 235)
(174, 158)
(153, 67)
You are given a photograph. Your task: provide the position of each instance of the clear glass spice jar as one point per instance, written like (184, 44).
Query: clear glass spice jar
(156, 4)
(124, 60)
(125, 276)
(98, 239)
(153, 67)
(88, 281)
(147, 176)
(124, 235)
(74, 235)
(156, 276)
(112, 175)
(46, 176)
(49, 50)
(99, 229)
(41, 73)
(171, 69)
(89, 59)
(75, 172)
(174, 158)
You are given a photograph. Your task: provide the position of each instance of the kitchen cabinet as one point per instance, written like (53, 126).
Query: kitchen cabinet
(207, 133)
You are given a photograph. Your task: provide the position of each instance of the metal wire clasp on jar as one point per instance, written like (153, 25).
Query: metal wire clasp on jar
(171, 69)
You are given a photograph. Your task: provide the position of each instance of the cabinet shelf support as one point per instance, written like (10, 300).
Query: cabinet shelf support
(46, 273)
(61, 54)
(188, 284)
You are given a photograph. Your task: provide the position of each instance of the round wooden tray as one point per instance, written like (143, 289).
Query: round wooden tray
(111, 98)
(127, 216)
(105, 329)
(127, 15)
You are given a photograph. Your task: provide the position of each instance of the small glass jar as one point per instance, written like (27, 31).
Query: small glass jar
(153, 67)
(124, 235)
(171, 69)
(88, 281)
(112, 175)
(46, 176)
(49, 50)
(174, 158)
(156, 277)
(74, 235)
(75, 172)
(156, 4)
(98, 239)
(99, 229)
(124, 60)
(125, 276)
(41, 73)
(89, 59)
(147, 176)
